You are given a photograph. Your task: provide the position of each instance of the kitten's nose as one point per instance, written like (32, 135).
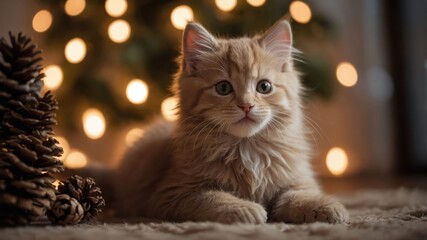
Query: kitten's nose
(246, 107)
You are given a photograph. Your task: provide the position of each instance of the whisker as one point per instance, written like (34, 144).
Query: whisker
(207, 135)
(198, 134)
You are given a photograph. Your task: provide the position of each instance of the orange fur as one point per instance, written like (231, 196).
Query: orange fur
(215, 165)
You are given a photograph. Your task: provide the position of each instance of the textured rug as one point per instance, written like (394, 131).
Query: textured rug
(374, 214)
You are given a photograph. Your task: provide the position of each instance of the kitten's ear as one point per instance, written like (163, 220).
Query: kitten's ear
(278, 40)
(196, 42)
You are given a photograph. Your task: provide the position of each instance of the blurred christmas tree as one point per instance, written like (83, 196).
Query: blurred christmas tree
(109, 43)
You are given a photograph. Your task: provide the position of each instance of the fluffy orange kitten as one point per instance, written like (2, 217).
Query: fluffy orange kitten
(238, 152)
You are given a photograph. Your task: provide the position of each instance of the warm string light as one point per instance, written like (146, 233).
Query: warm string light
(74, 7)
(137, 91)
(56, 184)
(75, 159)
(226, 5)
(119, 31)
(133, 135)
(65, 147)
(300, 12)
(116, 8)
(42, 21)
(53, 77)
(336, 161)
(181, 15)
(256, 3)
(169, 108)
(75, 50)
(346, 74)
(93, 123)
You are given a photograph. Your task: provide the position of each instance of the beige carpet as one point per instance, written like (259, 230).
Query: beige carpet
(374, 214)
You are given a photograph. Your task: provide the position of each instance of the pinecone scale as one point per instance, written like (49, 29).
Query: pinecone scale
(66, 210)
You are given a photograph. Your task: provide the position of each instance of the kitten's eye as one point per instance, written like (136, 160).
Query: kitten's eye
(224, 88)
(264, 87)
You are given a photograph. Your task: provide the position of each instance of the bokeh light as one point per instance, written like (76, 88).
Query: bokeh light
(56, 184)
(346, 74)
(133, 135)
(74, 7)
(181, 15)
(300, 12)
(42, 21)
(54, 77)
(119, 31)
(75, 159)
(75, 50)
(169, 108)
(256, 3)
(336, 161)
(137, 91)
(226, 5)
(116, 8)
(93, 123)
(65, 146)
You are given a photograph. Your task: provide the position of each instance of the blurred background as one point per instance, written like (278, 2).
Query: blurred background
(110, 64)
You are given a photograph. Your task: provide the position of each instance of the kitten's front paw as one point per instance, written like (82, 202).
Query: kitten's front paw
(243, 213)
(319, 208)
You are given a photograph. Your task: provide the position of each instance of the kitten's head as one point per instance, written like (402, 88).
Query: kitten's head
(243, 85)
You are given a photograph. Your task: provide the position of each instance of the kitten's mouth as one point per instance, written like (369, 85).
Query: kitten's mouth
(246, 126)
(246, 120)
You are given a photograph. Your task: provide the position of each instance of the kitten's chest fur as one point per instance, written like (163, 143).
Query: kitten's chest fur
(252, 168)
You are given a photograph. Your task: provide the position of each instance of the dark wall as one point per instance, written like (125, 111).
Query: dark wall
(407, 30)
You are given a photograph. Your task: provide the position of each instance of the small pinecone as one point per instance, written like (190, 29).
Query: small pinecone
(65, 210)
(28, 152)
(86, 192)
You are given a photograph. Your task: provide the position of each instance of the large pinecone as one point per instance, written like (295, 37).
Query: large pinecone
(28, 151)
(86, 192)
(19, 70)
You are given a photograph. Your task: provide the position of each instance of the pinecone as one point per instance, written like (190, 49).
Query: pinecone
(23, 200)
(19, 70)
(86, 192)
(28, 152)
(65, 210)
(28, 113)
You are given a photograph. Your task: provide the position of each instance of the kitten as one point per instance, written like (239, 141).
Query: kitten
(238, 152)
